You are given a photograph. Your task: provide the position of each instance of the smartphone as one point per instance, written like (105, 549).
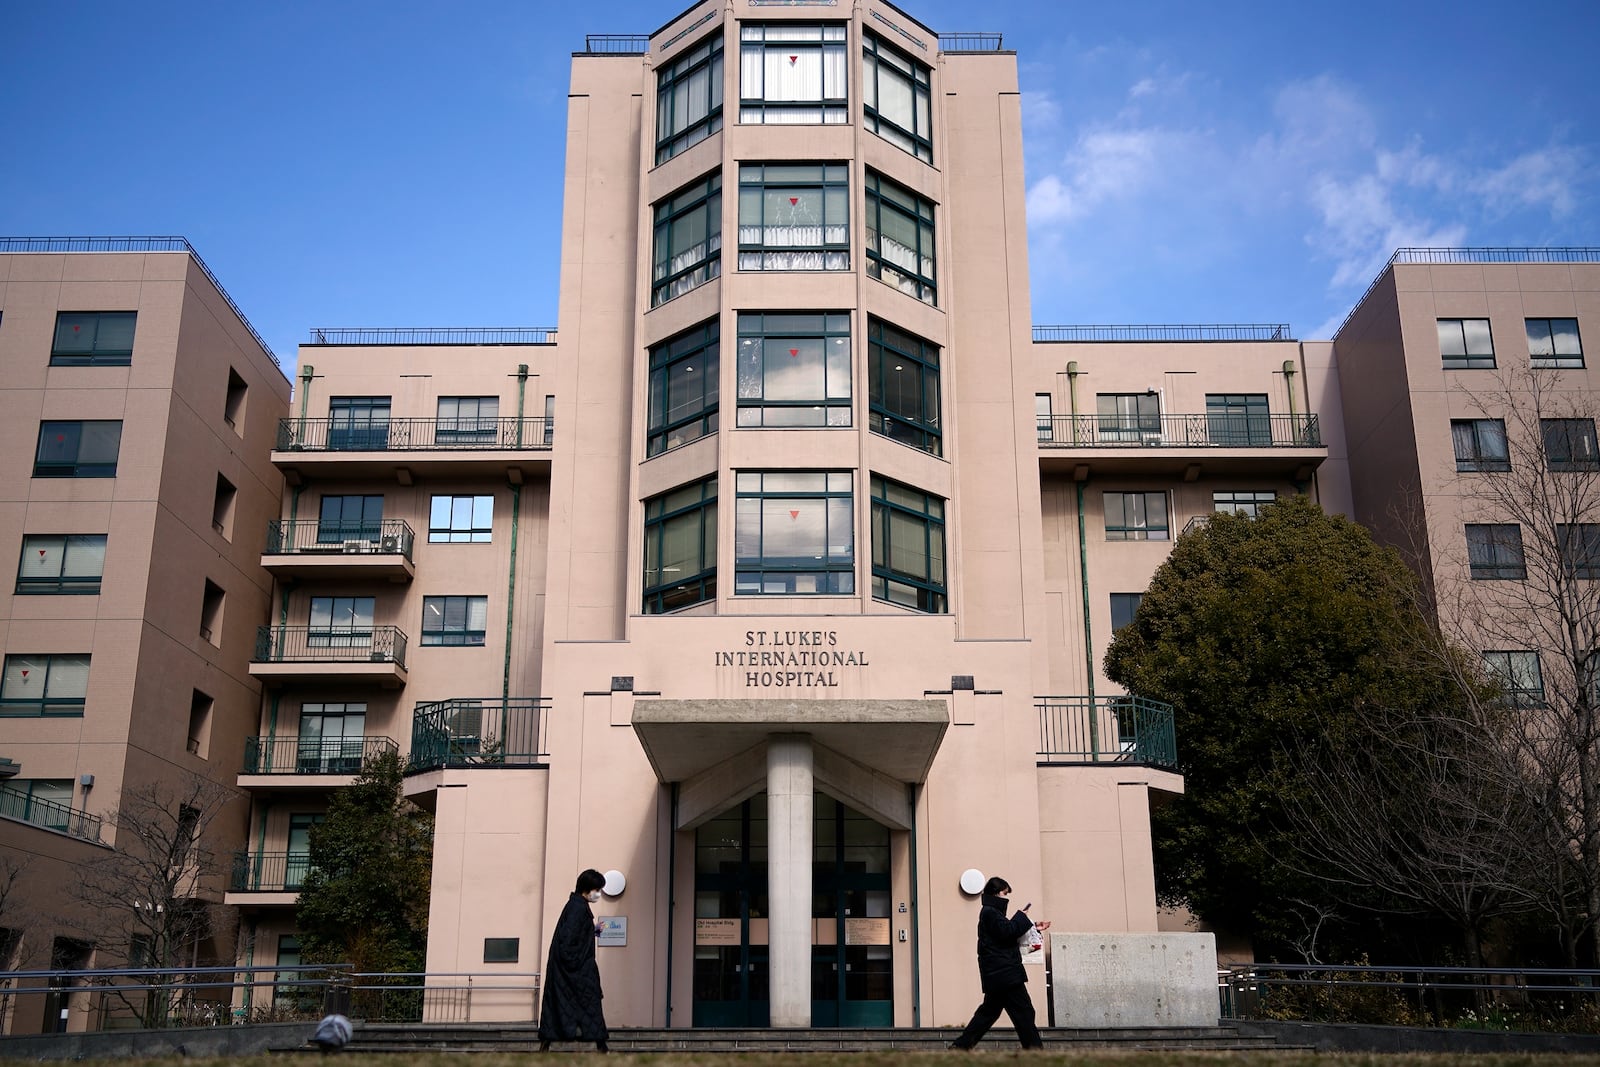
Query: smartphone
(1028, 905)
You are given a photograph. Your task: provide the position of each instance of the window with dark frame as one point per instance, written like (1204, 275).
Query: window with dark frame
(688, 240)
(1240, 420)
(350, 517)
(794, 533)
(340, 622)
(1247, 502)
(689, 98)
(331, 737)
(1579, 546)
(455, 620)
(1466, 344)
(908, 547)
(1123, 608)
(460, 520)
(1480, 445)
(897, 98)
(793, 73)
(358, 423)
(900, 239)
(1127, 417)
(93, 339)
(794, 369)
(61, 563)
(1519, 675)
(1569, 444)
(794, 216)
(469, 421)
(1136, 517)
(1043, 418)
(680, 548)
(903, 387)
(1494, 551)
(1554, 343)
(685, 379)
(78, 449)
(52, 685)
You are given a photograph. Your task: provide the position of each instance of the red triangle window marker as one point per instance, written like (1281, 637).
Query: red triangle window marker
(41, 553)
(24, 674)
(793, 200)
(792, 60)
(75, 329)
(794, 352)
(792, 515)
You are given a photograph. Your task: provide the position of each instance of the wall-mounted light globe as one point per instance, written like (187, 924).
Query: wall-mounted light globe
(615, 884)
(972, 881)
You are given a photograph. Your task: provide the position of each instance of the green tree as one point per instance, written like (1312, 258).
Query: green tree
(365, 897)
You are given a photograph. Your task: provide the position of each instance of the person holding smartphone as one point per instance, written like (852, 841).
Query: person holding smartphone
(1000, 969)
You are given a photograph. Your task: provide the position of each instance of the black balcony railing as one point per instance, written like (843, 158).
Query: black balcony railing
(415, 435)
(1225, 331)
(616, 44)
(479, 732)
(971, 42)
(1179, 431)
(1109, 729)
(433, 335)
(320, 644)
(50, 815)
(269, 872)
(389, 537)
(312, 755)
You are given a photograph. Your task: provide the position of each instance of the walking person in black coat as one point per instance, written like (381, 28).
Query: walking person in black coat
(571, 1007)
(1000, 969)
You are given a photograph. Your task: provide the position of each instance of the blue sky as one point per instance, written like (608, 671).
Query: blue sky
(345, 163)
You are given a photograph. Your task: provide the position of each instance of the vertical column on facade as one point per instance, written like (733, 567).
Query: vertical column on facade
(789, 857)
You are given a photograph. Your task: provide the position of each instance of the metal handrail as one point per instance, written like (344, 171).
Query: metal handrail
(468, 434)
(971, 42)
(1210, 430)
(50, 815)
(479, 732)
(616, 44)
(1245, 988)
(268, 872)
(1106, 729)
(326, 644)
(433, 335)
(297, 755)
(388, 537)
(1257, 331)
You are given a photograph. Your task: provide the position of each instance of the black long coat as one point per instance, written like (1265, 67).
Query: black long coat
(999, 956)
(571, 1007)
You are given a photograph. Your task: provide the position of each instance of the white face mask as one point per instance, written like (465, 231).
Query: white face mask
(592, 896)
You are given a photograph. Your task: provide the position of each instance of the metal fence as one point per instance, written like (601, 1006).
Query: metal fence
(1180, 431)
(268, 872)
(479, 732)
(1108, 729)
(319, 644)
(415, 435)
(971, 42)
(616, 44)
(1229, 331)
(433, 335)
(385, 538)
(49, 814)
(312, 755)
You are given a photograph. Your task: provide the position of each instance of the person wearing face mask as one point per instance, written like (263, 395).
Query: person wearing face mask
(1000, 969)
(571, 1007)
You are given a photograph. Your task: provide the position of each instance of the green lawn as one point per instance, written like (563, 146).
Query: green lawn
(992, 1050)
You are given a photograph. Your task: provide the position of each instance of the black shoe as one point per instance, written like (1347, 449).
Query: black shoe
(544, 1046)
(601, 1046)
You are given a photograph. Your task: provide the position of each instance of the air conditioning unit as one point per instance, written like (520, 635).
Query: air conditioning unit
(380, 657)
(390, 544)
(1152, 440)
(358, 546)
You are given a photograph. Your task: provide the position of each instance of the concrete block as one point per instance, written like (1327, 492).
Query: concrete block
(1125, 979)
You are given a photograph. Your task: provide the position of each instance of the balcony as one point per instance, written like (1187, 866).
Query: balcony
(479, 732)
(307, 654)
(50, 815)
(1110, 729)
(315, 763)
(1286, 446)
(268, 877)
(310, 549)
(407, 448)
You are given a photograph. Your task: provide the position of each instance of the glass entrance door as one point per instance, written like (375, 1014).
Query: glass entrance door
(731, 971)
(852, 952)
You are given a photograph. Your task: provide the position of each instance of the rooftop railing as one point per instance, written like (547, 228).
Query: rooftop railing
(433, 335)
(971, 42)
(389, 537)
(616, 44)
(1179, 431)
(416, 435)
(312, 755)
(1109, 729)
(1235, 331)
(132, 244)
(321, 644)
(479, 732)
(50, 815)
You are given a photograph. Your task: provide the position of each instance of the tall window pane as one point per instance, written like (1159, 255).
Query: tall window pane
(794, 216)
(684, 386)
(688, 239)
(794, 533)
(792, 72)
(903, 387)
(897, 98)
(680, 548)
(689, 98)
(794, 369)
(908, 546)
(900, 246)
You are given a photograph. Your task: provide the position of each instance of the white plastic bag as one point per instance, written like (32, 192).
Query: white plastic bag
(1031, 941)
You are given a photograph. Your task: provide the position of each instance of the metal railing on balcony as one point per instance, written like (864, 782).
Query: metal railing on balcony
(1194, 331)
(50, 815)
(971, 42)
(1109, 729)
(390, 537)
(312, 755)
(320, 644)
(416, 435)
(269, 872)
(1179, 431)
(616, 44)
(479, 732)
(433, 335)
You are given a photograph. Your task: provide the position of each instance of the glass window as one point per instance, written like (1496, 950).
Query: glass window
(340, 622)
(903, 387)
(895, 90)
(792, 72)
(684, 383)
(794, 533)
(1569, 444)
(82, 449)
(900, 248)
(358, 423)
(1494, 551)
(461, 519)
(454, 620)
(44, 685)
(794, 369)
(680, 548)
(1044, 420)
(1238, 419)
(1480, 444)
(61, 563)
(794, 216)
(908, 551)
(1519, 676)
(468, 420)
(1247, 502)
(41, 801)
(331, 738)
(689, 98)
(688, 239)
(1136, 517)
(1123, 607)
(1554, 343)
(1127, 418)
(297, 864)
(1579, 545)
(1465, 344)
(89, 338)
(350, 518)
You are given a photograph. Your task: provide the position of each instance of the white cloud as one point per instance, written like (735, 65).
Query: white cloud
(1142, 87)
(1538, 180)
(1105, 165)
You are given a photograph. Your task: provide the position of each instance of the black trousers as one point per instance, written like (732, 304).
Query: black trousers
(1015, 1002)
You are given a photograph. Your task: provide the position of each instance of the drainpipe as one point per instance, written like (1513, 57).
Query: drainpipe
(916, 942)
(1088, 633)
(511, 577)
(1288, 373)
(672, 885)
(522, 388)
(305, 398)
(1072, 395)
(249, 961)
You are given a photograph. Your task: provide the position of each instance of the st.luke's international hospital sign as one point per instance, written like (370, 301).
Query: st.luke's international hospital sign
(790, 659)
